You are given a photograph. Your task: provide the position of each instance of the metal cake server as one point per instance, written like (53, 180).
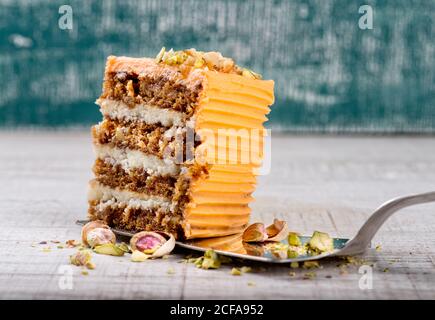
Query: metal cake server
(233, 246)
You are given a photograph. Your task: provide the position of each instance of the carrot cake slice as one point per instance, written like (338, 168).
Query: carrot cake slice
(179, 145)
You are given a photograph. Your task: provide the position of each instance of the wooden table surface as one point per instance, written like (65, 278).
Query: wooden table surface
(326, 183)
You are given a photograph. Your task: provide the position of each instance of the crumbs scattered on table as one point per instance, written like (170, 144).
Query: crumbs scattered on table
(236, 272)
(311, 264)
(309, 276)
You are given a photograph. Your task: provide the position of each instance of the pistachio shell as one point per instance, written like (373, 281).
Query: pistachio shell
(277, 231)
(256, 232)
(254, 249)
(109, 249)
(90, 226)
(158, 244)
(99, 236)
(166, 248)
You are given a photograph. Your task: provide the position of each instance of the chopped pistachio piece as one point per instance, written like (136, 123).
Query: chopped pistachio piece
(321, 242)
(294, 265)
(293, 239)
(245, 269)
(250, 74)
(291, 254)
(309, 275)
(81, 258)
(124, 247)
(170, 271)
(211, 260)
(251, 284)
(292, 274)
(138, 256)
(109, 249)
(236, 272)
(311, 264)
(160, 54)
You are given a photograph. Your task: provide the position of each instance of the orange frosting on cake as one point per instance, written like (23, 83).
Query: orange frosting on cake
(219, 200)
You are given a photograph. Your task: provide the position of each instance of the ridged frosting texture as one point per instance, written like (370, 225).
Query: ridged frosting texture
(229, 120)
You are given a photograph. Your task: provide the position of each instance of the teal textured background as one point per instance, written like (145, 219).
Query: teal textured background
(329, 74)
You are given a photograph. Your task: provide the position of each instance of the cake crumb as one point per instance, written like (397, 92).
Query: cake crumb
(236, 272)
(309, 276)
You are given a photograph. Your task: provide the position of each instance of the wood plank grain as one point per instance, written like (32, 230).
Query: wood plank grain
(325, 183)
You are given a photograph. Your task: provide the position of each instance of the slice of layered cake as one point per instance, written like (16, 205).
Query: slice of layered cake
(179, 145)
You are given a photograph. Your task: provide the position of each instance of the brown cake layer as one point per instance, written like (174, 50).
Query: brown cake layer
(137, 180)
(144, 81)
(148, 138)
(137, 219)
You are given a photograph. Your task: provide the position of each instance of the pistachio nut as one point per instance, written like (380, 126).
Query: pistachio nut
(98, 237)
(256, 232)
(156, 244)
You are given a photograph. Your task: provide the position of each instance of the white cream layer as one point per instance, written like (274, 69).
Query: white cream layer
(133, 159)
(109, 197)
(115, 109)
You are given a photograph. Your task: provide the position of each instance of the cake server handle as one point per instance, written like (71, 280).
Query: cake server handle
(366, 233)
